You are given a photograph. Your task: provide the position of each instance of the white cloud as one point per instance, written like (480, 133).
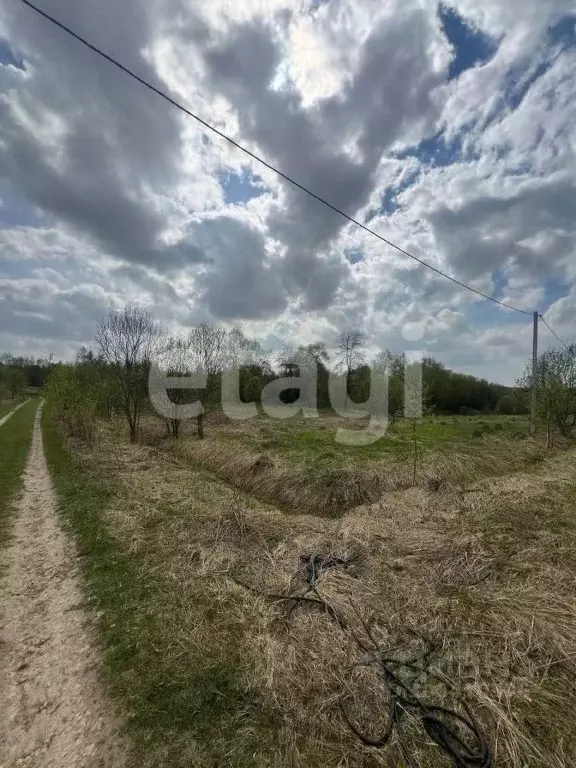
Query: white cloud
(131, 206)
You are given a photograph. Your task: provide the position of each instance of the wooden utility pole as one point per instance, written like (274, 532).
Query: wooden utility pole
(534, 373)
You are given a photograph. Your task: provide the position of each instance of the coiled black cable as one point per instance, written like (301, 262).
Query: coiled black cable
(473, 752)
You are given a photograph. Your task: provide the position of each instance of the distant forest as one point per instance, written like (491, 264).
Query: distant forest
(446, 391)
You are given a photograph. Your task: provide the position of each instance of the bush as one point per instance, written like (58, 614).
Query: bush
(505, 406)
(75, 401)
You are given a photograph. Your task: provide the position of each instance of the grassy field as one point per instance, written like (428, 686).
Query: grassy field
(15, 437)
(313, 439)
(298, 466)
(209, 671)
(7, 405)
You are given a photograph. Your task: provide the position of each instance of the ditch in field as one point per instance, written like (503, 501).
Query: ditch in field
(299, 467)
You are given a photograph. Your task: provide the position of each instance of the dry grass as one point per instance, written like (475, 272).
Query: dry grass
(487, 574)
(274, 463)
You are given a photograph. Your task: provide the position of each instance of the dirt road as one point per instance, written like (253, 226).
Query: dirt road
(54, 712)
(4, 419)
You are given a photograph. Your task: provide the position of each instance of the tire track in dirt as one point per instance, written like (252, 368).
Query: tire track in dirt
(4, 419)
(54, 713)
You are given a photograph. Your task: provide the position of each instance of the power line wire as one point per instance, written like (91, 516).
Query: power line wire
(553, 332)
(260, 160)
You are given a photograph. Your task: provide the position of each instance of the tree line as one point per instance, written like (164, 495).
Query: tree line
(19, 374)
(111, 377)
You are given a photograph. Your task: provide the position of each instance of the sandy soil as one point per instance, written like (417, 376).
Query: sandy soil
(4, 419)
(54, 712)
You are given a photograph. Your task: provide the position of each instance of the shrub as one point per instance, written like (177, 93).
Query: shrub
(75, 401)
(506, 406)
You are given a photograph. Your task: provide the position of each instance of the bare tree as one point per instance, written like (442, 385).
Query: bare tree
(308, 357)
(350, 350)
(207, 346)
(388, 362)
(393, 366)
(251, 360)
(350, 354)
(234, 353)
(127, 339)
(287, 361)
(175, 361)
(315, 352)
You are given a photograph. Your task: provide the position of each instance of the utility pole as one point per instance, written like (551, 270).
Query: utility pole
(534, 373)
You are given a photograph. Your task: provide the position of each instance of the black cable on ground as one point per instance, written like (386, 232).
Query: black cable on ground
(471, 752)
(475, 754)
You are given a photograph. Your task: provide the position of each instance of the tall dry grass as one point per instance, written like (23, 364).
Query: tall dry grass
(343, 481)
(486, 572)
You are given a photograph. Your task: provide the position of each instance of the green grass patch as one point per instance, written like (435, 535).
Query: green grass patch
(179, 701)
(299, 466)
(8, 405)
(317, 443)
(15, 436)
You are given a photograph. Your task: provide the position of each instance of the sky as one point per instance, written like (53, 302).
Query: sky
(448, 129)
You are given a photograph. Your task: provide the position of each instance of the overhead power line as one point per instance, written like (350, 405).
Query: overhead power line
(553, 332)
(260, 160)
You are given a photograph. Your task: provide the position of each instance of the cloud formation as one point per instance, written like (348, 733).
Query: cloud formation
(108, 194)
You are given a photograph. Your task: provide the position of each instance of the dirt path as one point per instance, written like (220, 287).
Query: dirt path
(4, 419)
(53, 711)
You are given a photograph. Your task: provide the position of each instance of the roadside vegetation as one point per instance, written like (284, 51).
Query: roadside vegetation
(185, 694)
(15, 436)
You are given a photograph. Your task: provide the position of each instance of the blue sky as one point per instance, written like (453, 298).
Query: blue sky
(9, 56)
(239, 188)
(448, 128)
(472, 47)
